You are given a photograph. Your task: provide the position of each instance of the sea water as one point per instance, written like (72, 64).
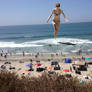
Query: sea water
(40, 38)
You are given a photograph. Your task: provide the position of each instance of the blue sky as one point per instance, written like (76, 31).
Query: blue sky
(23, 12)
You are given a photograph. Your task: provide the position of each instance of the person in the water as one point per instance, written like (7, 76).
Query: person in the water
(56, 21)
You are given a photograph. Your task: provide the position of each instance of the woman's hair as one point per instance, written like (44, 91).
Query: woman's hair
(57, 4)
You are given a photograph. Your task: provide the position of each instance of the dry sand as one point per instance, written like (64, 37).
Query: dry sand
(21, 68)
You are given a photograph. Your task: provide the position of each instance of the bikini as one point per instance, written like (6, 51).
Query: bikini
(56, 14)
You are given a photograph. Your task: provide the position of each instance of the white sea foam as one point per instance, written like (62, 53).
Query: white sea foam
(13, 44)
(71, 40)
(44, 42)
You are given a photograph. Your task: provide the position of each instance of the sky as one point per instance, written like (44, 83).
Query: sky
(26, 12)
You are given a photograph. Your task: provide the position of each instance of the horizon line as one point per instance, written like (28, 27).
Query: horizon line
(43, 24)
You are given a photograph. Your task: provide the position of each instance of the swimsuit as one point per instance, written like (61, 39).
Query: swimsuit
(56, 14)
(56, 21)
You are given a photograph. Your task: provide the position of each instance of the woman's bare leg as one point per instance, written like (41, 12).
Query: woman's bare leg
(56, 27)
(55, 31)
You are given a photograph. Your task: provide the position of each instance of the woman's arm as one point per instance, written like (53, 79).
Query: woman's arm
(67, 20)
(50, 16)
(63, 14)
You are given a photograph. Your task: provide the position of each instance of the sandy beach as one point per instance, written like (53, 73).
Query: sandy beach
(20, 62)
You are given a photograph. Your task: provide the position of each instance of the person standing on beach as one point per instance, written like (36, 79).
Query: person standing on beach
(56, 21)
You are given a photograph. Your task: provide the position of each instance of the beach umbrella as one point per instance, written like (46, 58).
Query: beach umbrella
(68, 60)
(88, 58)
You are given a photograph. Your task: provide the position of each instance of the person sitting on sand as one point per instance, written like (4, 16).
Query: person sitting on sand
(56, 21)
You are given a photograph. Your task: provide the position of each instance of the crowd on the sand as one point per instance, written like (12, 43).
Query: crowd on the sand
(75, 66)
(6, 53)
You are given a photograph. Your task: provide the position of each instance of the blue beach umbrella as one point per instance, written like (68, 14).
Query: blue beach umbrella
(28, 65)
(88, 58)
(68, 60)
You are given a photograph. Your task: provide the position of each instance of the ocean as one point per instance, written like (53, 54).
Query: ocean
(40, 38)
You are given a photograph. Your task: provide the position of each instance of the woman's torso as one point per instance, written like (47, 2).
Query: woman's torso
(57, 14)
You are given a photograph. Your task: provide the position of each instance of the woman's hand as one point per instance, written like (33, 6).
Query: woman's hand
(67, 20)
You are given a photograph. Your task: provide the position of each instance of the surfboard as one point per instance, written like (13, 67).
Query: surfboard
(67, 43)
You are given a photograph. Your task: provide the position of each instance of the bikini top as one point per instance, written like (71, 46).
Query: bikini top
(57, 12)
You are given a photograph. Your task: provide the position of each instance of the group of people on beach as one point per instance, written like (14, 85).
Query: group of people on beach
(2, 54)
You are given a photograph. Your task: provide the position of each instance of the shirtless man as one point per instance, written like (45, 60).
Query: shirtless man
(56, 21)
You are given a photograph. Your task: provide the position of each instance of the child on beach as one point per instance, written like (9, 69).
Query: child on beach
(56, 21)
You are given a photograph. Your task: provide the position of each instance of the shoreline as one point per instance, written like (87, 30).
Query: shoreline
(41, 56)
